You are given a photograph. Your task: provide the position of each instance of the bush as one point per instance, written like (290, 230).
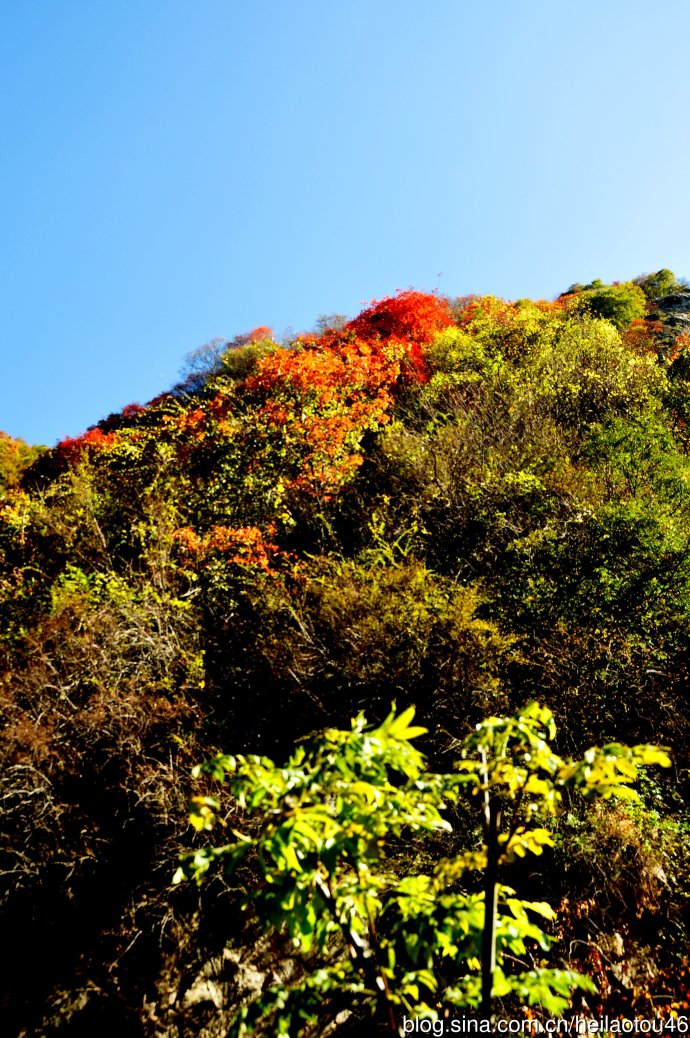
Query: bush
(663, 283)
(620, 304)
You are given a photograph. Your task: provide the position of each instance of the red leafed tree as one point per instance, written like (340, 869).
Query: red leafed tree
(73, 448)
(408, 316)
(319, 402)
(262, 332)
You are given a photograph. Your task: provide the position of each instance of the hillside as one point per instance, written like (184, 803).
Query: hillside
(462, 504)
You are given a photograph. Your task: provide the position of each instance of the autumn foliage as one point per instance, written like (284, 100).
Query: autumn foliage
(245, 546)
(409, 317)
(413, 317)
(462, 504)
(74, 448)
(15, 456)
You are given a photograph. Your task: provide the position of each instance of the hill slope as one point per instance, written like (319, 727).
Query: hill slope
(462, 504)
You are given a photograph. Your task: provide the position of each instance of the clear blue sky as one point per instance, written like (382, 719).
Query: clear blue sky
(177, 170)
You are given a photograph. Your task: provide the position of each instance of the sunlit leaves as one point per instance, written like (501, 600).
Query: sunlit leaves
(325, 826)
(510, 758)
(408, 316)
(311, 407)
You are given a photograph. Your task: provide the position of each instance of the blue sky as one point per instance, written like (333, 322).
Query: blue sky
(175, 171)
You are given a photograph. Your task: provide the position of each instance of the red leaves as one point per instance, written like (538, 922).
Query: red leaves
(303, 411)
(315, 404)
(412, 318)
(132, 410)
(409, 316)
(642, 335)
(73, 448)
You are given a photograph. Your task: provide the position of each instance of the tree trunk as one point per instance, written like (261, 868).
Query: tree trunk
(490, 909)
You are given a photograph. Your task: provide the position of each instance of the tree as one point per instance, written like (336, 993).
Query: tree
(200, 364)
(15, 456)
(619, 304)
(216, 357)
(329, 322)
(411, 945)
(663, 283)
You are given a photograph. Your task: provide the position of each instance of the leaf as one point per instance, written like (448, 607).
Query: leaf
(202, 813)
(542, 908)
(652, 755)
(398, 726)
(620, 792)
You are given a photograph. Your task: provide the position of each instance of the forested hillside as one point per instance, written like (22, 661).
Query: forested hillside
(464, 505)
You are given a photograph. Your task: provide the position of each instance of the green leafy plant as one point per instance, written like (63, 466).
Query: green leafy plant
(324, 847)
(662, 283)
(618, 303)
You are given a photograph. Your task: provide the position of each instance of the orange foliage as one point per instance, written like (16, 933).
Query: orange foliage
(202, 421)
(321, 401)
(680, 346)
(262, 332)
(325, 376)
(410, 317)
(244, 545)
(641, 334)
(191, 421)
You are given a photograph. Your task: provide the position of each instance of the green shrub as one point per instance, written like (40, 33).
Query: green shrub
(620, 304)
